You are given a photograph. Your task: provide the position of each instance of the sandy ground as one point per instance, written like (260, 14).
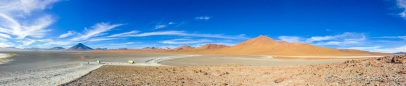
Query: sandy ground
(246, 60)
(47, 76)
(386, 71)
(55, 68)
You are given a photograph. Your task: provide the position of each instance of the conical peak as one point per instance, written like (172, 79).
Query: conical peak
(80, 44)
(80, 47)
(263, 38)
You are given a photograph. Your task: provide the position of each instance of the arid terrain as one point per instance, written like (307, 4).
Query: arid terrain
(258, 61)
(385, 71)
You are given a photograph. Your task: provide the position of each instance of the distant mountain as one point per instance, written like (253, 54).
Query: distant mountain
(56, 48)
(100, 49)
(212, 46)
(79, 47)
(400, 53)
(155, 48)
(149, 48)
(184, 48)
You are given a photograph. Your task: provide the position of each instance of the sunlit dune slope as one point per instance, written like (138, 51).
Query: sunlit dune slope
(263, 45)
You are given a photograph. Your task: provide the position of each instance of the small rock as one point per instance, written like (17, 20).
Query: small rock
(403, 61)
(403, 72)
(279, 80)
(224, 84)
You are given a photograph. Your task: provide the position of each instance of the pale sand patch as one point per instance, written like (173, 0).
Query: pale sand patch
(245, 60)
(151, 62)
(66, 66)
(47, 76)
(5, 58)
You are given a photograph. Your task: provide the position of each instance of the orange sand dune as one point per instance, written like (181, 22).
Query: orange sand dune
(263, 45)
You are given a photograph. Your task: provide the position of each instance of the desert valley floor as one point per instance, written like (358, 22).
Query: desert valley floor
(80, 68)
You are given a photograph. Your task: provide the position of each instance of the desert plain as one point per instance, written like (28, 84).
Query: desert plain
(260, 61)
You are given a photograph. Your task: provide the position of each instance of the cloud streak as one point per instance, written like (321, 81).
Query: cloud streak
(96, 30)
(402, 5)
(381, 49)
(185, 41)
(341, 39)
(124, 34)
(203, 18)
(159, 26)
(393, 37)
(17, 21)
(69, 33)
(176, 33)
(290, 38)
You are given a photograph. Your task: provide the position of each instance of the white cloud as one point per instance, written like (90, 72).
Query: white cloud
(69, 33)
(96, 30)
(402, 4)
(124, 34)
(159, 26)
(393, 37)
(100, 39)
(182, 33)
(15, 18)
(290, 38)
(2, 44)
(17, 21)
(341, 43)
(159, 33)
(203, 18)
(59, 43)
(25, 6)
(170, 23)
(26, 42)
(341, 39)
(364, 48)
(185, 41)
(381, 49)
(127, 43)
(4, 36)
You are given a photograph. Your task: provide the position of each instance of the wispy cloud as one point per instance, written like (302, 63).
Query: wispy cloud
(15, 14)
(27, 42)
(100, 39)
(290, 38)
(393, 37)
(4, 36)
(402, 5)
(203, 18)
(341, 39)
(171, 23)
(381, 49)
(69, 33)
(185, 41)
(96, 30)
(183, 33)
(17, 21)
(159, 26)
(4, 44)
(124, 34)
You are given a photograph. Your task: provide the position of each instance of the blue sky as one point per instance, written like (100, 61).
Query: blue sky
(372, 25)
